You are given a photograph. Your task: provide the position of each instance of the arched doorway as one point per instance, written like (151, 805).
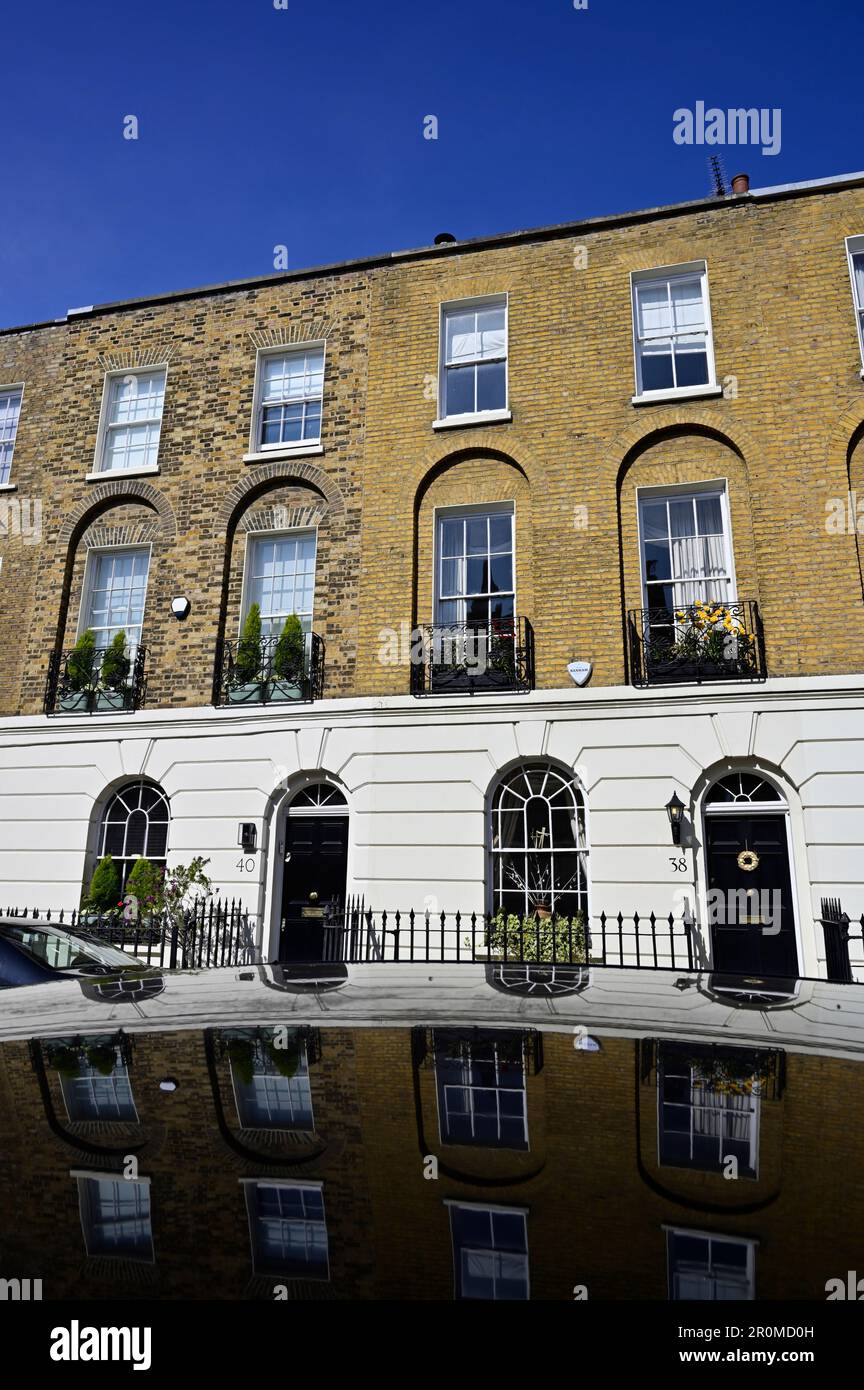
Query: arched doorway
(315, 871)
(750, 904)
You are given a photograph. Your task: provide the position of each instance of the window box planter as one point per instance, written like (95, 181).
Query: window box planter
(77, 702)
(285, 690)
(249, 693)
(113, 699)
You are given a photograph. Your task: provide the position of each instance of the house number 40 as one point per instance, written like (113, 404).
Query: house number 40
(246, 866)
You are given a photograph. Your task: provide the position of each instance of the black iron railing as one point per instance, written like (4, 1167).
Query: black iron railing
(657, 943)
(701, 642)
(262, 675)
(469, 658)
(206, 934)
(836, 926)
(83, 683)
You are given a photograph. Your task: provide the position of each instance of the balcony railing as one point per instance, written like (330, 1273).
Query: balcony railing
(710, 641)
(82, 683)
(473, 658)
(263, 676)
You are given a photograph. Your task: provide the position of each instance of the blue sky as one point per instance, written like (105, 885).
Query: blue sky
(303, 127)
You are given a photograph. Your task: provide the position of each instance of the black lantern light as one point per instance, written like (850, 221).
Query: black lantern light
(675, 810)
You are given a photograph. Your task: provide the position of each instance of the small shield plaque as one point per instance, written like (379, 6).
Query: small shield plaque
(580, 671)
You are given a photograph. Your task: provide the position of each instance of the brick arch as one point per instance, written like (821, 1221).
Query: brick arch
(846, 434)
(643, 434)
(420, 477)
(259, 480)
(108, 494)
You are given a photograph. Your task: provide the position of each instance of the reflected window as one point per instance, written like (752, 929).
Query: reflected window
(93, 1095)
(709, 1267)
(708, 1114)
(288, 1229)
(115, 1215)
(272, 1087)
(481, 1090)
(490, 1252)
(539, 843)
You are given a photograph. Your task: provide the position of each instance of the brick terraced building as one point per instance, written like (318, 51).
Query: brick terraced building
(546, 531)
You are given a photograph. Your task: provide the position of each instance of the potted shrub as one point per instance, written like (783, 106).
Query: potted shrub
(286, 1060)
(102, 1057)
(289, 662)
(114, 676)
(146, 884)
(534, 939)
(77, 689)
(103, 894)
(65, 1059)
(246, 683)
(241, 1054)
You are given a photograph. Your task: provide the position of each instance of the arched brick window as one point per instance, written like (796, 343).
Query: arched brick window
(135, 824)
(539, 842)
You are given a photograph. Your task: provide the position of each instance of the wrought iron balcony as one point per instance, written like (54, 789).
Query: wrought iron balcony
(468, 658)
(82, 682)
(261, 675)
(710, 641)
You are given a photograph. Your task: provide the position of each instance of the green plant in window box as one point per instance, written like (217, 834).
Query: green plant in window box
(80, 674)
(114, 675)
(102, 1057)
(246, 685)
(289, 661)
(65, 1059)
(241, 1054)
(286, 1060)
(535, 939)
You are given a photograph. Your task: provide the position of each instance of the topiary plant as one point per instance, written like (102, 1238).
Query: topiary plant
(146, 883)
(288, 659)
(247, 667)
(79, 667)
(115, 663)
(104, 889)
(242, 1056)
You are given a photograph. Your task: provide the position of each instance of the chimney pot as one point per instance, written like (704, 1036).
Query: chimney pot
(741, 183)
(444, 239)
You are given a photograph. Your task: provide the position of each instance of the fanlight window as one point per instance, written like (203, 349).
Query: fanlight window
(320, 797)
(539, 843)
(742, 787)
(135, 824)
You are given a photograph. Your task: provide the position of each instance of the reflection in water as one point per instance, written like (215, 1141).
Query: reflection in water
(425, 1163)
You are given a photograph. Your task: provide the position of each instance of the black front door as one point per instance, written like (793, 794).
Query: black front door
(313, 887)
(750, 896)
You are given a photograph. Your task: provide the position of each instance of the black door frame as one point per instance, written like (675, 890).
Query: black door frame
(724, 810)
(279, 824)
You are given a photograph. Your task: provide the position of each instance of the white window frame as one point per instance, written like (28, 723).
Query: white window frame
(282, 533)
(9, 390)
(678, 491)
(686, 270)
(755, 1121)
(83, 1175)
(98, 473)
(719, 1236)
(260, 453)
(251, 1217)
(87, 587)
(66, 1086)
(855, 247)
(278, 1128)
(493, 1209)
(471, 1087)
(481, 417)
(454, 513)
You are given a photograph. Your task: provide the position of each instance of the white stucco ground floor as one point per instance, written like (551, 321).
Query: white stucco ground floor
(453, 804)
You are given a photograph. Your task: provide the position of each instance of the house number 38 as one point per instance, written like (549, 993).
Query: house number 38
(679, 865)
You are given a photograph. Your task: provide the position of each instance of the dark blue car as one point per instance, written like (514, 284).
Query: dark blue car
(32, 953)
